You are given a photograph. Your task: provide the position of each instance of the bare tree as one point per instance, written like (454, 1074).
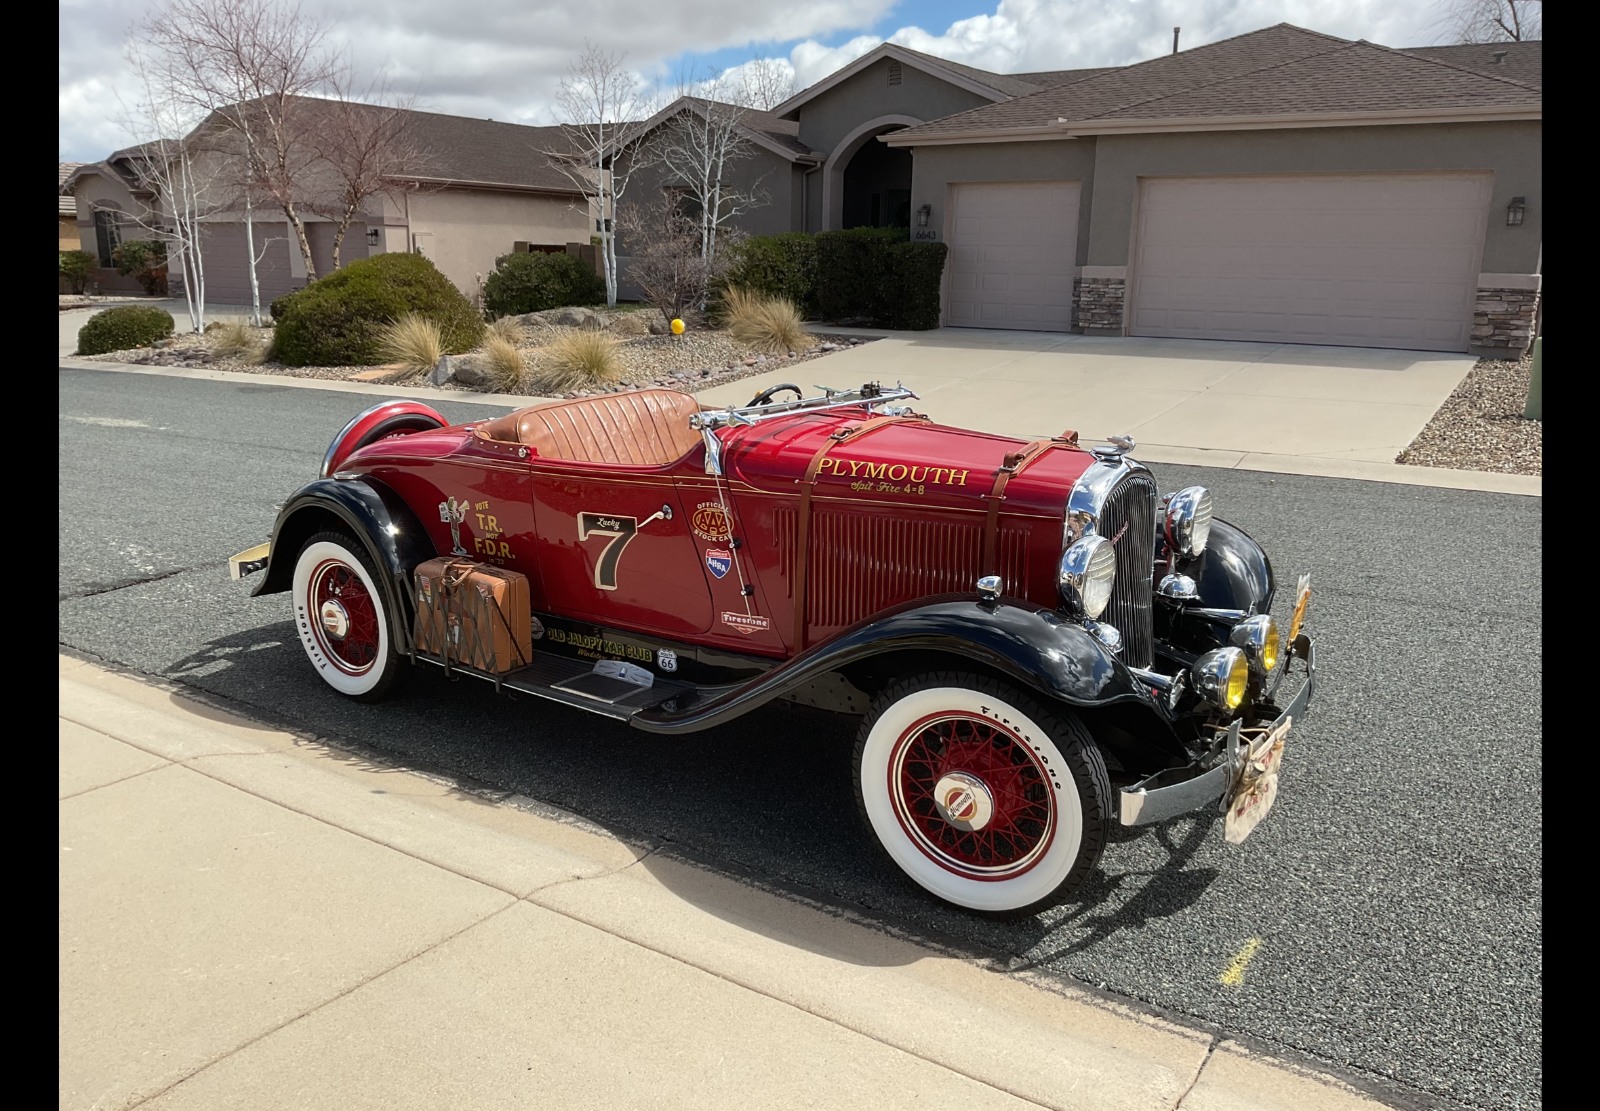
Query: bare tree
(763, 83)
(184, 187)
(1493, 20)
(601, 104)
(251, 64)
(365, 145)
(667, 262)
(700, 148)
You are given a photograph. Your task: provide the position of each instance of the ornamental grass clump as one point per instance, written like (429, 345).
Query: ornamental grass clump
(769, 324)
(412, 342)
(507, 329)
(234, 339)
(502, 363)
(579, 360)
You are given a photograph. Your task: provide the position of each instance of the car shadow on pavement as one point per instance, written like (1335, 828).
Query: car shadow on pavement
(767, 801)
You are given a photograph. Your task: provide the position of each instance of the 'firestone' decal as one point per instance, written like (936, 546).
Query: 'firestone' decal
(746, 623)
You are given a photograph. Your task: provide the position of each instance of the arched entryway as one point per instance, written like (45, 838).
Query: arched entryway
(868, 184)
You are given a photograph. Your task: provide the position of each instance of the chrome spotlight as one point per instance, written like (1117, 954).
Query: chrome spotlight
(1189, 521)
(1088, 568)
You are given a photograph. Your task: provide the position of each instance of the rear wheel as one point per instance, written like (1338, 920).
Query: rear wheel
(342, 617)
(981, 794)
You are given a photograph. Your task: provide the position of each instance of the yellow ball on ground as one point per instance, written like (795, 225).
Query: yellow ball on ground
(677, 327)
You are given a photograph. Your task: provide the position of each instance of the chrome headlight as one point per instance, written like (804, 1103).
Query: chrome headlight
(1222, 676)
(1259, 638)
(1088, 569)
(1189, 520)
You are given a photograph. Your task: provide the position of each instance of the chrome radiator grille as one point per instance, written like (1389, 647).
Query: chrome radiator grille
(1128, 519)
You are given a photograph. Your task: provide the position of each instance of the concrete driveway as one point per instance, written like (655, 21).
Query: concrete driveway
(1219, 403)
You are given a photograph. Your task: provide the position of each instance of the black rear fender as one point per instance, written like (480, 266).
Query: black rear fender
(370, 512)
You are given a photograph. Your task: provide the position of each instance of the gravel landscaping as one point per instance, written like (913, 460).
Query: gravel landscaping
(1480, 427)
(697, 360)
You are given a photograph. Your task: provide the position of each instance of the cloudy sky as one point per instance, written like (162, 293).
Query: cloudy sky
(503, 58)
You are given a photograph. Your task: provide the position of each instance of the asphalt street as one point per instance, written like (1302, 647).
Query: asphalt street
(1393, 897)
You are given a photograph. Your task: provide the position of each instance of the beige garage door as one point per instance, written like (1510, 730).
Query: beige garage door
(1012, 247)
(1363, 260)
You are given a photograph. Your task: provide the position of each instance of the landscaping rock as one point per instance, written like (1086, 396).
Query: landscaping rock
(444, 371)
(629, 324)
(659, 328)
(574, 317)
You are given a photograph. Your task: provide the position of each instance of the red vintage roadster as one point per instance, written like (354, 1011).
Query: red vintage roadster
(1037, 642)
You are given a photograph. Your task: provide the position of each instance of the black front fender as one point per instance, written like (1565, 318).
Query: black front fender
(1032, 645)
(375, 515)
(1233, 572)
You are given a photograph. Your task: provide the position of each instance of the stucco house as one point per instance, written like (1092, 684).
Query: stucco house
(1283, 185)
(483, 189)
(66, 208)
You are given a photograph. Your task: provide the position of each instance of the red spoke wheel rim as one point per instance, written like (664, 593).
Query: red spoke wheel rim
(1022, 811)
(355, 652)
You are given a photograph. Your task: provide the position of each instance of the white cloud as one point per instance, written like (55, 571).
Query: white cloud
(1030, 35)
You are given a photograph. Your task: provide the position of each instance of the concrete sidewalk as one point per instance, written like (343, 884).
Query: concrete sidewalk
(251, 919)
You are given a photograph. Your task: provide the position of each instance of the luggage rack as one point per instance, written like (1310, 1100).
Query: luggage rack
(576, 683)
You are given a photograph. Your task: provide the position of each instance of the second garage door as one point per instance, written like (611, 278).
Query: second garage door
(1012, 249)
(1365, 260)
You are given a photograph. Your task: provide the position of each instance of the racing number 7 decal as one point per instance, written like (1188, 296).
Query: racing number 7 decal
(621, 530)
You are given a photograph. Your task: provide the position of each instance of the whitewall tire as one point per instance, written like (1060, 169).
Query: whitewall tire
(342, 616)
(981, 794)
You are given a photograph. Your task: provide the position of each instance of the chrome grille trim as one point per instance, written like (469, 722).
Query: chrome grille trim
(1128, 519)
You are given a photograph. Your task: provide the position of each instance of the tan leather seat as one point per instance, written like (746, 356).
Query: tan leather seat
(642, 428)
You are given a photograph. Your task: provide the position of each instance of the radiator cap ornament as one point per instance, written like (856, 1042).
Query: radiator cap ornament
(1113, 449)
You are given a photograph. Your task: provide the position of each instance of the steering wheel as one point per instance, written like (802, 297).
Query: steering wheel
(766, 395)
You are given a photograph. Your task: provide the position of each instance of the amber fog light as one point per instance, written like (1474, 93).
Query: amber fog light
(1221, 676)
(1259, 638)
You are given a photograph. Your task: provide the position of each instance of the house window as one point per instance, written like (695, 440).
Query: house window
(107, 236)
(894, 73)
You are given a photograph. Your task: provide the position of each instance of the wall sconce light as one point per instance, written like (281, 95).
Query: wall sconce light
(923, 212)
(1515, 211)
(372, 237)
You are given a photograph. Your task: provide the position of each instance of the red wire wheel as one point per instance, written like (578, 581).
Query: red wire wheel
(972, 796)
(344, 617)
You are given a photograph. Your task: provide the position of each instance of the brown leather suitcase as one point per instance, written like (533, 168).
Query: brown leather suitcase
(473, 614)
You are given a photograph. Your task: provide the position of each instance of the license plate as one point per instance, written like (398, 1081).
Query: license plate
(1258, 786)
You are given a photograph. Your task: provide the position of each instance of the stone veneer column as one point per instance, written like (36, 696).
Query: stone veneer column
(1097, 305)
(1502, 321)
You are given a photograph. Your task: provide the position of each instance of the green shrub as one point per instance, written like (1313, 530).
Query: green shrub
(280, 305)
(533, 281)
(78, 267)
(341, 320)
(915, 270)
(121, 328)
(776, 266)
(878, 275)
(146, 260)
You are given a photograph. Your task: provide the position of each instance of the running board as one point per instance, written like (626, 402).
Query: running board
(575, 683)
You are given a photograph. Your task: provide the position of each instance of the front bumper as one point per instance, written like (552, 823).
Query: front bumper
(1176, 791)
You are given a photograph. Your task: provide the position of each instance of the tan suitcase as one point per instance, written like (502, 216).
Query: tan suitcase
(473, 614)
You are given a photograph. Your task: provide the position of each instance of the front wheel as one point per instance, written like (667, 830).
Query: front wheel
(982, 795)
(341, 616)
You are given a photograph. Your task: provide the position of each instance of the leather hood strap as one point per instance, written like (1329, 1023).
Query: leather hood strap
(1014, 463)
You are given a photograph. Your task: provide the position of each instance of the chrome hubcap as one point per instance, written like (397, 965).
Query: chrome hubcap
(335, 621)
(963, 800)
